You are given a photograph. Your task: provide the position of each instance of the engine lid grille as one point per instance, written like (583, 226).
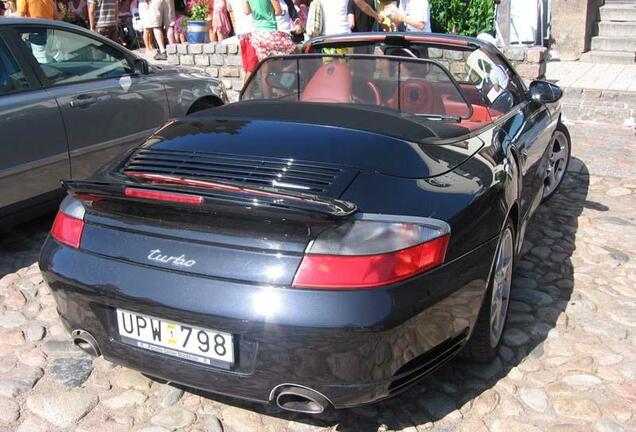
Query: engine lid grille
(283, 174)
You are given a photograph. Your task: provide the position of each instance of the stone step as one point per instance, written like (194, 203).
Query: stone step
(618, 12)
(604, 43)
(616, 28)
(611, 57)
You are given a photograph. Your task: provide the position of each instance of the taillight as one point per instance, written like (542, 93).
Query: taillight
(372, 252)
(69, 223)
(163, 196)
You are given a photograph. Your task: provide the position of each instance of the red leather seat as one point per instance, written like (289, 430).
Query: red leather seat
(331, 83)
(418, 97)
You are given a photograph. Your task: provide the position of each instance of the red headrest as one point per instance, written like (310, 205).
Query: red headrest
(330, 83)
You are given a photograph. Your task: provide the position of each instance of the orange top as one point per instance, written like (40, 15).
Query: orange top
(37, 8)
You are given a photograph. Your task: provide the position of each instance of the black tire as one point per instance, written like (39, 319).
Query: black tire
(560, 129)
(479, 347)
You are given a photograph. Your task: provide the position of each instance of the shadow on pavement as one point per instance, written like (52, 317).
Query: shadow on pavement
(542, 288)
(20, 245)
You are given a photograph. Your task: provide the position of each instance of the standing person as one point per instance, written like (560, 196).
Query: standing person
(414, 14)
(161, 16)
(44, 9)
(362, 22)
(10, 8)
(289, 22)
(336, 15)
(128, 33)
(221, 25)
(77, 11)
(102, 18)
(243, 26)
(145, 19)
(266, 38)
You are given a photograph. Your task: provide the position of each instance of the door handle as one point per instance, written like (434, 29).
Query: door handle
(82, 101)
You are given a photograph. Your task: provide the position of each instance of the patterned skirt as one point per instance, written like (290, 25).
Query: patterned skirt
(221, 22)
(271, 43)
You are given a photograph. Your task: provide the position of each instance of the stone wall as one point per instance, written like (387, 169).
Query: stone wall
(223, 61)
(530, 63)
(572, 23)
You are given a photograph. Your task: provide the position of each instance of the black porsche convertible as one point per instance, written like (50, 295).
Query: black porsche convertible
(346, 228)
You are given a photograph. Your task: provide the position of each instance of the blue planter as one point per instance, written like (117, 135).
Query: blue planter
(197, 31)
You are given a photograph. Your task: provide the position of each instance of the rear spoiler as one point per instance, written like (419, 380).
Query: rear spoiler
(205, 193)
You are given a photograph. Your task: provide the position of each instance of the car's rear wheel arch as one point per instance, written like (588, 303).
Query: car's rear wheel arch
(204, 102)
(479, 347)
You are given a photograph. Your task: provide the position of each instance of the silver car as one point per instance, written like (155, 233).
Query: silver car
(70, 100)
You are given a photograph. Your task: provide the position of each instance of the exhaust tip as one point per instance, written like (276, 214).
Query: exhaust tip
(300, 399)
(86, 342)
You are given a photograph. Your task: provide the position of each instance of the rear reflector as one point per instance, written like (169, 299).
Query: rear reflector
(67, 229)
(163, 196)
(343, 272)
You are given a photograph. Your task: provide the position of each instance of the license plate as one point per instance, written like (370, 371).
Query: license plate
(174, 338)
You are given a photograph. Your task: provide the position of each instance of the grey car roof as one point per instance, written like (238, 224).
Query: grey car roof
(59, 24)
(13, 21)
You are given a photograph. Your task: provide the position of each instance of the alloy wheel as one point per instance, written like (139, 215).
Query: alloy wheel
(557, 163)
(502, 281)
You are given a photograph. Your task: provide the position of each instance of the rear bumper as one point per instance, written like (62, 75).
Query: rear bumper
(354, 347)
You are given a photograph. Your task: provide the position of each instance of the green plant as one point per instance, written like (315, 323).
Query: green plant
(466, 17)
(199, 10)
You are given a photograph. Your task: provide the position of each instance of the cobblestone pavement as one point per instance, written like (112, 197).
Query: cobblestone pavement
(568, 363)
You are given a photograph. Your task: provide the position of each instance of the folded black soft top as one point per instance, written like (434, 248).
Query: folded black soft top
(363, 117)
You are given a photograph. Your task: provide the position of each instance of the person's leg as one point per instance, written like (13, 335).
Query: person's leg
(169, 18)
(170, 35)
(155, 22)
(150, 49)
(158, 34)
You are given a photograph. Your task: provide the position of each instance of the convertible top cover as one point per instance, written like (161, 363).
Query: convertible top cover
(362, 117)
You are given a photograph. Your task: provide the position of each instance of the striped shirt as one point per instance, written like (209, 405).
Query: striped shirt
(104, 12)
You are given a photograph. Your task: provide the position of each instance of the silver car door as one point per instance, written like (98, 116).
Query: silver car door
(106, 107)
(33, 150)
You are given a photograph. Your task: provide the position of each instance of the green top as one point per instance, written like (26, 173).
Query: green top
(263, 15)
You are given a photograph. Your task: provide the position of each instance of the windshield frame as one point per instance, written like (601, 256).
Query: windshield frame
(399, 59)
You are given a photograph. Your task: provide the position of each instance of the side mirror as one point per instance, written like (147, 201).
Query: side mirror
(141, 66)
(544, 92)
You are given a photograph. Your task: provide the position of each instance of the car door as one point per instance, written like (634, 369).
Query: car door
(106, 106)
(33, 148)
